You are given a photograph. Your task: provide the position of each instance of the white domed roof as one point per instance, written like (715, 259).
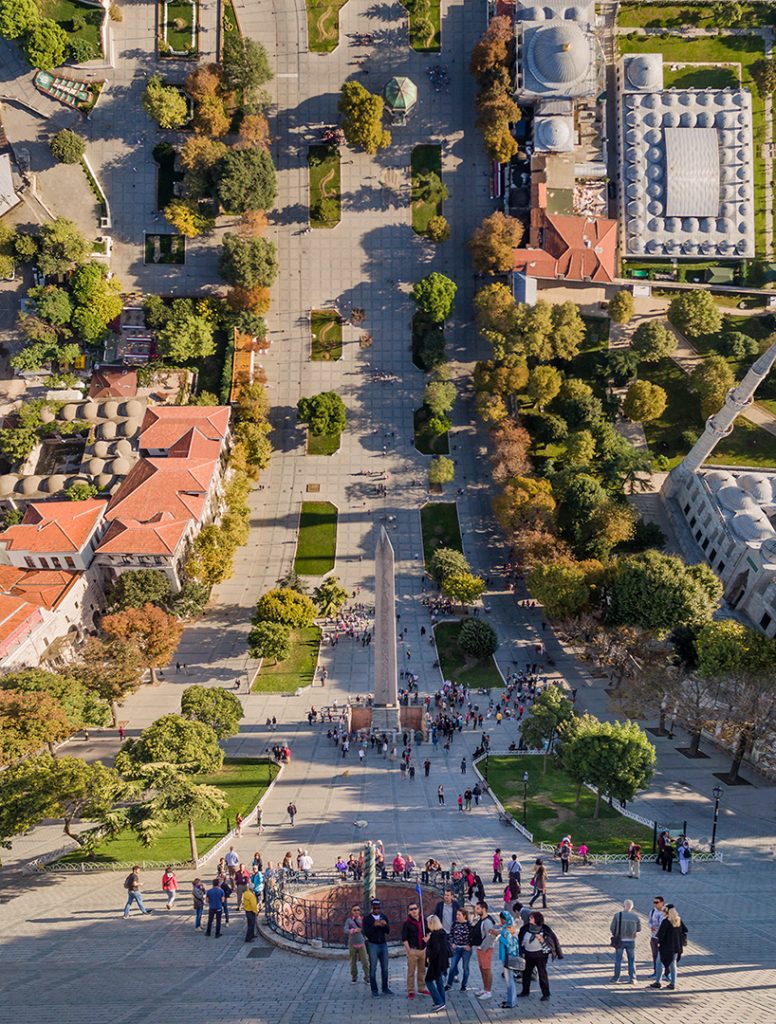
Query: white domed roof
(734, 499)
(8, 484)
(558, 54)
(553, 133)
(718, 478)
(758, 485)
(753, 526)
(645, 71)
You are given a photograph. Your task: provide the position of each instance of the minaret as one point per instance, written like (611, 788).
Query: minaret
(722, 422)
(385, 710)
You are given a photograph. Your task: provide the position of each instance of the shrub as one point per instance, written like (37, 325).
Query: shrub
(68, 147)
(478, 638)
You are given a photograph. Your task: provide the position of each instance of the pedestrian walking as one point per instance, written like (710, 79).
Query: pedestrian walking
(634, 861)
(437, 961)
(463, 766)
(413, 937)
(260, 820)
(411, 772)
(467, 799)
(498, 865)
(170, 886)
(538, 942)
(354, 933)
(654, 920)
(291, 810)
(241, 882)
(250, 905)
(514, 870)
(426, 767)
(216, 901)
(441, 795)
(565, 858)
(232, 862)
(133, 885)
(122, 733)
(624, 928)
(198, 892)
(460, 801)
(238, 824)
(483, 936)
(376, 930)
(671, 940)
(539, 883)
(477, 793)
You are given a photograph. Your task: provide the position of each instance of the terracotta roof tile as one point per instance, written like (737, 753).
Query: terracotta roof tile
(113, 382)
(42, 587)
(18, 618)
(159, 536)
(55, 526)
(164, 425)
(176, 486)
(574, 249)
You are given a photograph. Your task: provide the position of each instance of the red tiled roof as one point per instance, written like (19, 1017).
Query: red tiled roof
(574, 248)
(55, 526)
(158, 536)
(176, 486)
(113, 382)
(42, 587)
(163, 426)
(18, 618)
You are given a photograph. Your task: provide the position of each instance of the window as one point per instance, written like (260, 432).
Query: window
(29, 562)
(765, 621)
(721, 567)
(69, 562)
(687, 508)
(56, 562)
(712, 554)
(44, 564)
(693, 521)
(705, 543)
(698, 535)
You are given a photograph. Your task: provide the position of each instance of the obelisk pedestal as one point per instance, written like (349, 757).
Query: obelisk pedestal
(385, 706)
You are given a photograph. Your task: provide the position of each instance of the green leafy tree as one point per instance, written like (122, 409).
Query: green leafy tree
(544, 383)
(172, 740)
(17, 443)
(62, 247)
(89, 326)
(51, 304)
(581, 496)
(81, 491)
(111, 669)
(330, 596)
(166, 104)
(738, 345)
(763, 73)
(362, 115)
(622, 367)
(439, 397)
(246, 180)
(45, 45)
(653, 341)
(270, 640)
(711, 380)
(323, 413)
(621, 306)
(659, 592)
(549, 712)
(615, 757)
(191, 600)
(448, 562)
(478, 638)
(255, 445)
(18, 17)
(155, 633)
(244, 62)
(727, 648)
(644, 401)
(139, 587)
(190, 217)
(437, 229)
(565, 589)
(81, 706)
(216, 707)
(286, 606)
(464, 587)
(579, 448)
(68, 146)
(248, 262)
(435, 295)
(92, 289)
(187, 335)
(695, 313)
(493, 243)
(25, 247)
(29, 722)
(428, 187)
(441, 470)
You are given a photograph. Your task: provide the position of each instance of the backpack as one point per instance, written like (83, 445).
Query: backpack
(512, 944)
(128, 881)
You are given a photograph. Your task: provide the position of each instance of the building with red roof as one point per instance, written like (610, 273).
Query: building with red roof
(569, 248)
(54, 535)
(113, 382)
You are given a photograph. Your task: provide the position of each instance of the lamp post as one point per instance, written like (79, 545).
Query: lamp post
(525, 799)
(717, 794)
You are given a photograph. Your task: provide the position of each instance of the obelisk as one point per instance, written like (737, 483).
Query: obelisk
(385, 708)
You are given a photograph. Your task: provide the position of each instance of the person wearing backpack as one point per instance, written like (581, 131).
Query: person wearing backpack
(538, 942)
(484, 934)
(684, 853)
(133, 886)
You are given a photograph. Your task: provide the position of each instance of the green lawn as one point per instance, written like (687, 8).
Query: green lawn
(425, 26)
(708, 77)
(424, 159)
(166, 176)
(327, 334)
(243, 780)
(440, 527)
(426, 441)
(325, 198)
(459, 666)
(177, 29)
(323, 444)
(297, 670)
(551, 807)
(754, 326)
(165, 248)
(323, 24)
(80, 21)
(229, 18)
(717, 50)
(648, 15)
(316, 547)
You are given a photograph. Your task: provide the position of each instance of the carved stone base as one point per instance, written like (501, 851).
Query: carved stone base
(386, 718)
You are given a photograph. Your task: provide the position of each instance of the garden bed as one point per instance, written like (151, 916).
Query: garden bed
(426, 441)
(165, 248)
(425, 25)
(80, 21)
(551, 806)
(460, 667)
(440, 528)
(425, 159)
(323, 444)
(316, 546)
(180, 27)
(325, 185)
(323, 24)
(327, 334)
(297, 670)
(166, 176)
(242, 780)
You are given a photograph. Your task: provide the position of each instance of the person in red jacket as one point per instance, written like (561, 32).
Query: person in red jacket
(169, 885)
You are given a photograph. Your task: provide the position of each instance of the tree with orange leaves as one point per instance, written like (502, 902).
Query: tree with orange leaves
(155, 633)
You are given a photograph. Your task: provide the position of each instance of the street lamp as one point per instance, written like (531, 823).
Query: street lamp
(525, 799)
(717, 794)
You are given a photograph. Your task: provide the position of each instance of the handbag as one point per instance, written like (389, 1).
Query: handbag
(514, 963)
(615, 939)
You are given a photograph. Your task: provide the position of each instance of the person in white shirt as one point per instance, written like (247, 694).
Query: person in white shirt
(232, 861)
(655, 919)
(306, 864)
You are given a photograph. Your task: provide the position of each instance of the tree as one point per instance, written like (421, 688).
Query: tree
(464, 587)
(362, 115)
(187, 334)
(441, 470)
(492, 244)
(254, 443)
(544, 383)
(611, 524)
(726, 648)
(68, 147)
(254, 131)
(750, 698)
(89, 326)
(653, 341)
(81, 706)
(435, 295)
(246, 180)
(216, 707)
(509, 457)
(738, 345)
(172, 740)
(695, 313)
(18, 17)
(568, 330)
(155, 633)
(615, 757)
(45, 45)
(548, 713)
(166, 104)
(658, 592)
(621, 306)
(330, 596)
(324, 413)
(579, 448)
(51, 304)
(29, 722)
(286, 606)
(189, 217)
(248, 262)
(493, 47)
(577, 404)
(270, 640)
(525, 503)
(478, 638)
(111, 669)
(565, 588)
(210, 559)
(62, 247)
(439, 396)
(763, 73)
(581, 495)
(252, 405)
(711, 380)
(139, 587)
(437, 229)
(644, 401)
(245, 63)
(428, 187)
(200, 158)
(448, 562)
(92, 289)
(622, 366)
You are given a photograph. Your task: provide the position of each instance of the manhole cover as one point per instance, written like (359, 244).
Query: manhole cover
(261, 953)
